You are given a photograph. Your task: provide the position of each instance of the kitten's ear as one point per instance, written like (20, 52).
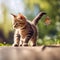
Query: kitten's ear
(21, 16)
(13, 15)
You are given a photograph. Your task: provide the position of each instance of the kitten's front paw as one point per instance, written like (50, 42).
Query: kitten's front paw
(15, 45)
(20, 45)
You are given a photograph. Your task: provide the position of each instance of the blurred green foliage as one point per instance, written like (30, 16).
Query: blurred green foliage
(1, 44)
(48, 42)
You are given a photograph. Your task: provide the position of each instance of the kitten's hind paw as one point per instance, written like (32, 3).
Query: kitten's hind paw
(15, 45)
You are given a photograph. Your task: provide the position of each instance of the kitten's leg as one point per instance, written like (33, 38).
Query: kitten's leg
(27, 38)
(16, 39)
(33, 42)
(16, 42)
(25, 44)
(20, 43)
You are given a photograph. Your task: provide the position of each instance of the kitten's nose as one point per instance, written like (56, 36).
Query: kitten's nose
(14, 25)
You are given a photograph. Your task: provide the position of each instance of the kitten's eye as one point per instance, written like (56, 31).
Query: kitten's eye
(16, 23)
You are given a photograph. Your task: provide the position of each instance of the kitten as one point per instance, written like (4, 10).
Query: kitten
(25, 30)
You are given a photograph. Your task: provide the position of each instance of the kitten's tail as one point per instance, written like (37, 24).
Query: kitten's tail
(38, 17)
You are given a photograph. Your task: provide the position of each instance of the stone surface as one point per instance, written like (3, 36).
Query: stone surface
(30, 53)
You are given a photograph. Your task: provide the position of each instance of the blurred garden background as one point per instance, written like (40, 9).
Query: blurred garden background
(47, 35)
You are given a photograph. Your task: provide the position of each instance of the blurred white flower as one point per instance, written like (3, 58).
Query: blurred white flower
(58, 26)
(47, 37)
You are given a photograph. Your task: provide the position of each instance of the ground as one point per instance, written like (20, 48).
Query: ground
(30, 53)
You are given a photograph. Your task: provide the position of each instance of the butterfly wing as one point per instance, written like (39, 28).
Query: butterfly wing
(47, 21)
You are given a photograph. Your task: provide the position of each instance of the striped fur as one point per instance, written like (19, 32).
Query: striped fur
(25, 30)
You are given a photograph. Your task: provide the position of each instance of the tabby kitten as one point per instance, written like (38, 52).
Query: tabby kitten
(25, 30)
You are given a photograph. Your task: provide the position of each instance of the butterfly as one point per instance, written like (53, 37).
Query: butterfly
(47, 21)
